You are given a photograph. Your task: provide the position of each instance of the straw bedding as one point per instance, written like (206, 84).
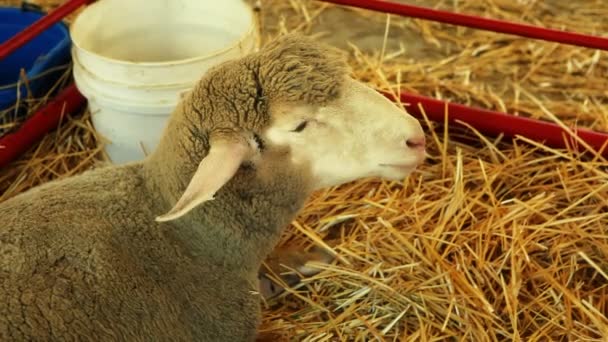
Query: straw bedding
(491, 239)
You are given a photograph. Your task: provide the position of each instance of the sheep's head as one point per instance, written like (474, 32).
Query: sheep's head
(358, 134)
(295, 96)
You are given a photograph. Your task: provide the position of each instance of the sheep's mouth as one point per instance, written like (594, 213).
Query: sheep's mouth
(403, 167)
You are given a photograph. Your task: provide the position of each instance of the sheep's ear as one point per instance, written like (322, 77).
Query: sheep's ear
(214, 171)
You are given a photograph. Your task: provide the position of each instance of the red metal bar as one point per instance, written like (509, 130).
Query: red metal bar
(39, 26)
(494, 123)
(482, 23)
(12, 145)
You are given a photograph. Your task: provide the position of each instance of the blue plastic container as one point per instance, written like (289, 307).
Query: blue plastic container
(48, 50)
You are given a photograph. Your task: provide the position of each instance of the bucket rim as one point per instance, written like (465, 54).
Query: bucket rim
(252, 30)
(77, 64)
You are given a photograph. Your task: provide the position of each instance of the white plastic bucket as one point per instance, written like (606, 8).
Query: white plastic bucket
(133, 59)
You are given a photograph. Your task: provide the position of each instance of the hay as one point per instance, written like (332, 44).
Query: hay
(489, 240)
(482, 244)
(74, 147)
(26, 103)
(71, 149)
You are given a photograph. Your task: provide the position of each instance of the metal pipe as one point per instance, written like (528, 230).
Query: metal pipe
(502, 26)
(495, 123)
(39, 26)
(12, 145)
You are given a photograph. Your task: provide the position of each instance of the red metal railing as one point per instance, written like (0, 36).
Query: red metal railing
(39, 26)
(472, 21)
(495, 123)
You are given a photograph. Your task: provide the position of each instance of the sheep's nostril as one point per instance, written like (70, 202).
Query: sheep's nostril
(417, 143)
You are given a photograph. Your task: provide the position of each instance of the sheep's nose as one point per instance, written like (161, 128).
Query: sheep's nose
(416, 143)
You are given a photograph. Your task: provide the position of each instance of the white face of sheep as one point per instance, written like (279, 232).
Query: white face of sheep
(361, 134)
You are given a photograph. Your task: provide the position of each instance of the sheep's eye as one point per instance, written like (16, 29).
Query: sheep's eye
(301, 127)
(259, 141)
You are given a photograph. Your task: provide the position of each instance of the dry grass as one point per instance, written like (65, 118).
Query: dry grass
(73, 148)
(482, 244)
(490, 240)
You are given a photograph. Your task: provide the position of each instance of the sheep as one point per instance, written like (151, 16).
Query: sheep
(170, 247)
